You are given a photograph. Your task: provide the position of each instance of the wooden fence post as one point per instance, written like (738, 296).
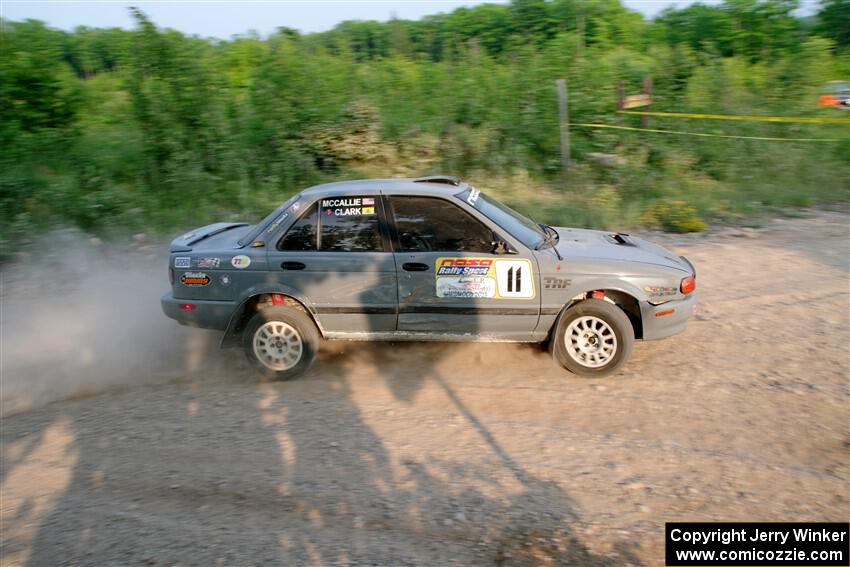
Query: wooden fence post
(564, 118)
(647, 90)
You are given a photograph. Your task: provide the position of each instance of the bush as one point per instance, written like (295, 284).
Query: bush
(674, 216)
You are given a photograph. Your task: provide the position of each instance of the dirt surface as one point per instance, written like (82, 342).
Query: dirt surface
(468, 454)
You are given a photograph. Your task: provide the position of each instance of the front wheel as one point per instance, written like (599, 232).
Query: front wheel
(281, 342)
(593, 339)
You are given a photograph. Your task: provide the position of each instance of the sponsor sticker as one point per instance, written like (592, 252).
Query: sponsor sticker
(182, 262)
(484, 278)
(466, 287)
(658, 290)
(273, 226)
(550, 282)
(473, 196)
(463, 266)
(195, 279)
(240, 262)
(225, 280)
(209, 262)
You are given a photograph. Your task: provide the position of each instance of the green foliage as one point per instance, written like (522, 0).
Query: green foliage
(36, 85)
(834, 21)
(150, 129)
(674, 216)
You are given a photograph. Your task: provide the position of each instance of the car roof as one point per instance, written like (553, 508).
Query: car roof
(437, 185)
(440, 185)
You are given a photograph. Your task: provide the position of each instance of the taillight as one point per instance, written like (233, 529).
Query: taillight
(688, 285)
(171, 276)
(187, 306)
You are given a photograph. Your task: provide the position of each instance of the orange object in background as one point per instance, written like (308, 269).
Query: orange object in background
(836, 94)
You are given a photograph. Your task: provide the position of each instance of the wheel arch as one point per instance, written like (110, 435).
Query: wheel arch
(260, 298)
(625, 299)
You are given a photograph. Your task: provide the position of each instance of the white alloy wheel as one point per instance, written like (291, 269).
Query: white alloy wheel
(590, 341)
(277, 345)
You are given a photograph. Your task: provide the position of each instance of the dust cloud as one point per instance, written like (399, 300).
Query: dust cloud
(79, 317)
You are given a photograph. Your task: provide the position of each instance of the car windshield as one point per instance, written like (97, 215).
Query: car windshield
(520, 227)
(268, 220)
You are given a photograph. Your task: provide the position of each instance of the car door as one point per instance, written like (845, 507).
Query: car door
(451, 281)
(337, 255)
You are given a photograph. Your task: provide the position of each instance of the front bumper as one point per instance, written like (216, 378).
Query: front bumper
(206, 314)
(667, 319)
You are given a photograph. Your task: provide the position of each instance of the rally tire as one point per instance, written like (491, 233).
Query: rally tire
(281, 342)
(592, 339)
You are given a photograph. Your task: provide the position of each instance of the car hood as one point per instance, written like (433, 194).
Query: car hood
(602, 245)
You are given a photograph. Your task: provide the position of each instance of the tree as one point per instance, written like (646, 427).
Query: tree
(37, 90)
(834, 21)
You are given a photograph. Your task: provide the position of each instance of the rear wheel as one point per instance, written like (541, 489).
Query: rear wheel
(281, 342)
(593, 338)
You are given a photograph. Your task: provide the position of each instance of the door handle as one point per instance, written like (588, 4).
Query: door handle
(414, 267)
(292, 266)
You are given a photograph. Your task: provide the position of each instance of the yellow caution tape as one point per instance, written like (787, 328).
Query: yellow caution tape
(705, 135)
(799, 119)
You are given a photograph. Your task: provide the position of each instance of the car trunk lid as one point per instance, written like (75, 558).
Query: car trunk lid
(220, 234)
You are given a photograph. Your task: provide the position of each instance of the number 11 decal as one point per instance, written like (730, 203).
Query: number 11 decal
(514, 279)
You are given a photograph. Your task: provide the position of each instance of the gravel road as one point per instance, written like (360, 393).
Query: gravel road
(457, 454)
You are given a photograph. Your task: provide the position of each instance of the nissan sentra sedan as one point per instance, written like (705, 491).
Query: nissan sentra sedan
(426, 259)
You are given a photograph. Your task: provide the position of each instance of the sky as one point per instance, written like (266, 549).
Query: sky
(224, 18)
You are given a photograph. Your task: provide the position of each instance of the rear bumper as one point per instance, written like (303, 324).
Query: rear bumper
(667, 319)
(206, 314)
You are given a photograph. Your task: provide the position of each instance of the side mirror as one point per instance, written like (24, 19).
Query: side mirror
(501, 247)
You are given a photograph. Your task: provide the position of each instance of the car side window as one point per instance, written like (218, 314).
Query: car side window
(350, 224)
(303, 235)
(430, 224)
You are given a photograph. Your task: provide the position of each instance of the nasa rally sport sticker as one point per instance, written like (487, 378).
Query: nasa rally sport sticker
(240, 262)
(182, 262)
(484, 278)
(194, 279)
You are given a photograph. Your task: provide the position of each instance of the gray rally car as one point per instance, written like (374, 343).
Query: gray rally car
(423, 259)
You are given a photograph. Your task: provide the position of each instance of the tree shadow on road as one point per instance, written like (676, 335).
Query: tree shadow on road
(291, 473)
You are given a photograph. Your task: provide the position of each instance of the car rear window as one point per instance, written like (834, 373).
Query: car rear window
(337, 224)
(274, 218)
(302, 235)
(350, 224)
